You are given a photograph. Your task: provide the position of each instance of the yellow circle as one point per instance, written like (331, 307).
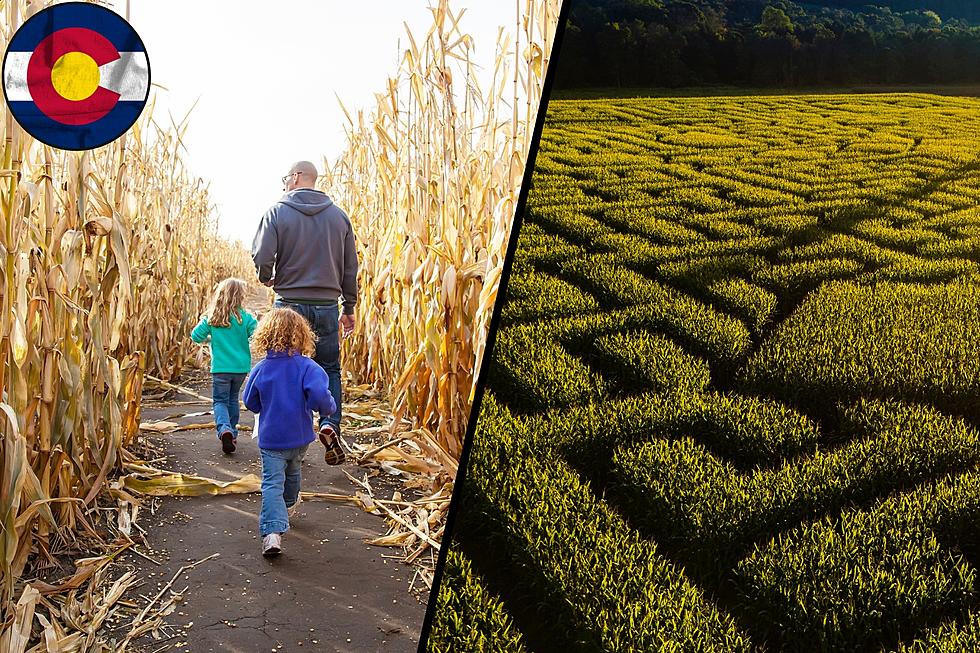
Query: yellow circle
(75, 76)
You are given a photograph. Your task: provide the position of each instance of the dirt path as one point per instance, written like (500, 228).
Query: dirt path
(327, 591)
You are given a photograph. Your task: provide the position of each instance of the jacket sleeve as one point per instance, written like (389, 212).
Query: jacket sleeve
(265, 245)
(250, 396)
(348, 284)
(201, 331)
(316, 387)
(250, 324)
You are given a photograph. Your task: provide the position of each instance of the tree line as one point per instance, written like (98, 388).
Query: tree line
(769, 43)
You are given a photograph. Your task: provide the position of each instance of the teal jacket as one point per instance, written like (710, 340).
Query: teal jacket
(229, 345)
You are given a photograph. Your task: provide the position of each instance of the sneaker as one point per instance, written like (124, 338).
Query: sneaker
(227, 441)
(334, 454)
(271, 545)
(293, 509)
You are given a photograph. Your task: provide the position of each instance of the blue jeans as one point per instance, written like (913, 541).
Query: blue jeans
(280, 487)
(224, 392)
(324, 319)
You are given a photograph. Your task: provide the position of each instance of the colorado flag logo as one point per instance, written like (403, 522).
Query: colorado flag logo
(76, 76)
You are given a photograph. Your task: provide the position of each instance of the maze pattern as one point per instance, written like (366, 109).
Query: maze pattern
(734, 398)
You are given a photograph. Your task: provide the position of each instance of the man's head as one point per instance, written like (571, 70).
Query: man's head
(302, 174)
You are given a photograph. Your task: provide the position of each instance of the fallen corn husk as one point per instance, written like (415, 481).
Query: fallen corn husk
(158, 427)
(159, 482)
(164, 426)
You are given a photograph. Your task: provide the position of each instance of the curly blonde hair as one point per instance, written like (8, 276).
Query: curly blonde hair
(228, 297)
(283, 329)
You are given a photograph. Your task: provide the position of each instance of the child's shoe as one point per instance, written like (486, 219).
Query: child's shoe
(227, 441)
(271, 545)
(334, 454)
(293, 509)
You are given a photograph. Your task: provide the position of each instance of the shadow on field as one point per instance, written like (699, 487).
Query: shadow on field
(536, 604)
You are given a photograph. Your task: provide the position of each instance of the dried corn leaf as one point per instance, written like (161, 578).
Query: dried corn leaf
(159, 427)
(85, 568)
(17, 635)
(55, 639)
(404, 538)
(187, 485)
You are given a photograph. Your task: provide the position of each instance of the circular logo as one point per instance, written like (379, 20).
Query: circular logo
(76, 76)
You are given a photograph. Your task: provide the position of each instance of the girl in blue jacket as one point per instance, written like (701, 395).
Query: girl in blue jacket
(284, 388)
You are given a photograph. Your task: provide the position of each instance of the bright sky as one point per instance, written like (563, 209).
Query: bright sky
(266, 74)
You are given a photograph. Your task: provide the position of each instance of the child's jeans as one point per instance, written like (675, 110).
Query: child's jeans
(225, 389)
(280, 487)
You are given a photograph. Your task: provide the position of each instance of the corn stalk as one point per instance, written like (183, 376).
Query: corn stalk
(106, 259)
(430, 179)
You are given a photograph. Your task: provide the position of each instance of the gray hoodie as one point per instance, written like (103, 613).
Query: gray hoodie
(306, 244)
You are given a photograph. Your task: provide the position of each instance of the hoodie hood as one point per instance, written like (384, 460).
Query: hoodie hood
(307, 201)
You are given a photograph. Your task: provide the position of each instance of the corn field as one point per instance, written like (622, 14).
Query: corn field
(107, 259)
(431, 180)
(733, 354)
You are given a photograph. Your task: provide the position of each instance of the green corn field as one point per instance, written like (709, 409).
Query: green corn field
(733, 400)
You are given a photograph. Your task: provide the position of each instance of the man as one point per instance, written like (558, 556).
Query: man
(304, 249)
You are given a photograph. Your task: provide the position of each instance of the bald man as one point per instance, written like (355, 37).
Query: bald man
(304, 249)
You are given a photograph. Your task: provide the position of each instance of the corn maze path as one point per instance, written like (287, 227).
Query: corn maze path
(327, 591)
(735, 394)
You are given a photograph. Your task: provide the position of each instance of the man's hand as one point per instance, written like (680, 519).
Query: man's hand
(346, 325)
(269, 283)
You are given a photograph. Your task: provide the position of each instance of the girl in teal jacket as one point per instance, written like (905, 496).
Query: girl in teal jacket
(230, 328)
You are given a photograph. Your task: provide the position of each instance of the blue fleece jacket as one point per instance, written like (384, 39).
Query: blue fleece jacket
(284, 389)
